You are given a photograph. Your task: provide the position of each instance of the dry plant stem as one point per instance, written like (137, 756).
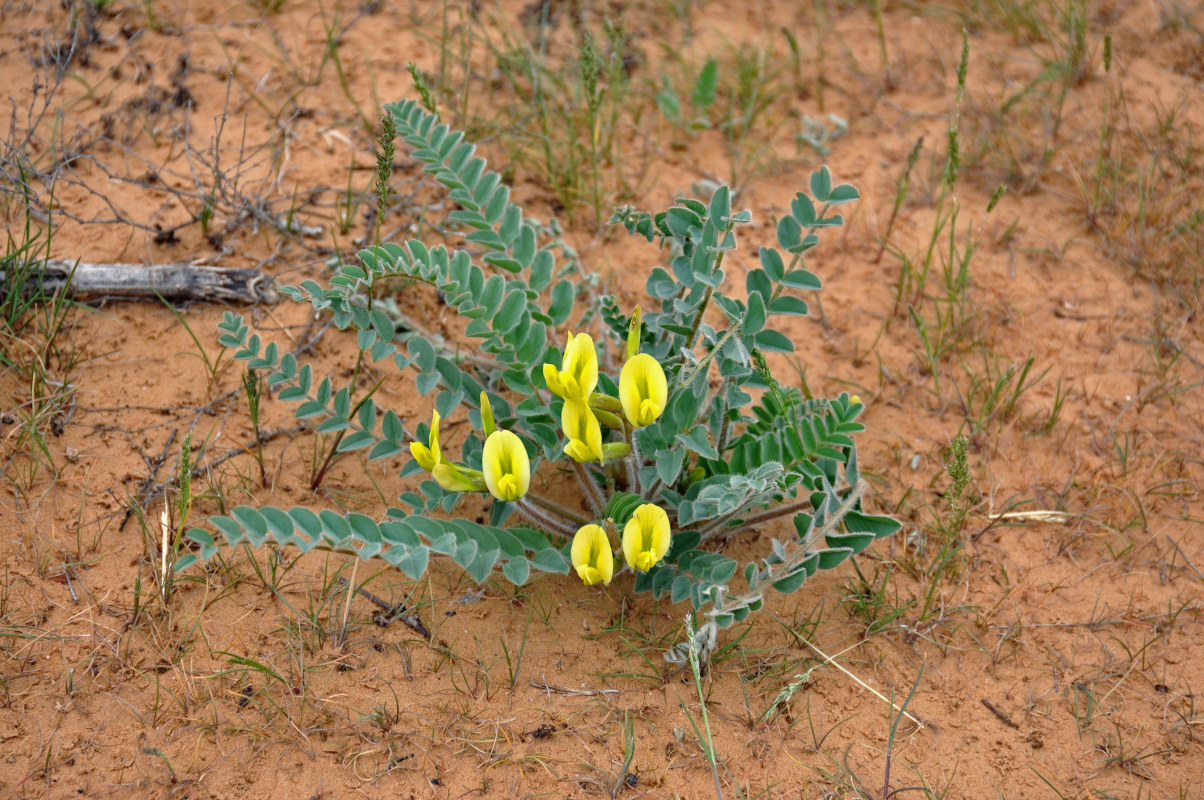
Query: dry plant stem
(153, 467)
(155, 490)
(355, 565)
(394, 612)
(163, 545)
(180, 281)
(830, 660)
(1187, 560)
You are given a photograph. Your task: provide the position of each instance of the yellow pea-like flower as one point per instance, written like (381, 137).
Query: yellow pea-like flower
(506, 465)
(592, 556)
(582, 430)
(646, 537)
(452, 477)
(428, 455)
(643, 390)
(455, 478)
(578, 374)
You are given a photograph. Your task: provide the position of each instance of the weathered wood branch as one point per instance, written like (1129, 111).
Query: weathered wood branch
(178, 281)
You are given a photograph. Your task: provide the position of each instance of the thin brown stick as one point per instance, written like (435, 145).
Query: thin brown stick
(1002, 717)
(393, 612)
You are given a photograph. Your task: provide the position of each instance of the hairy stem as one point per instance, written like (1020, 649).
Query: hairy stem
(715, 527)
(555, 508)
(797, 551)
(705, 362)
(652, 490)
(633, 461)
(543, 518)
(597, 502)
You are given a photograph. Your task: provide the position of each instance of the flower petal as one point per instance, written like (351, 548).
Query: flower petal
(422, 454)
(582, 430)
(455, 478)
(578, 374)
(551, 377)
(581, 362)
(592, 555)
(428, 455)
(434, 437)
(506, 465)
(646, 537)
(643, 390)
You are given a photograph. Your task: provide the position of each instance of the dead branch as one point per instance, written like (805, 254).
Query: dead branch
(178, 281)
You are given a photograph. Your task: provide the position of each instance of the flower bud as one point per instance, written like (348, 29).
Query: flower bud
(428, 455)
(488, 426)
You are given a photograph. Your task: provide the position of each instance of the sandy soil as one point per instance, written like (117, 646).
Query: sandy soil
(1058, 656)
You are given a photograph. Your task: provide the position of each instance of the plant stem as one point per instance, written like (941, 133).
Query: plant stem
(597, 503)
(705, 362)
(351, 588)
(633, 462)
(556, 508)
(709, 744)
(713, 529)
(320, 474)
(544, 518)
(702, 307)
(652, 490)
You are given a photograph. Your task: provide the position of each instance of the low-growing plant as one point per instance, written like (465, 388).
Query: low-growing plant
(688, 440)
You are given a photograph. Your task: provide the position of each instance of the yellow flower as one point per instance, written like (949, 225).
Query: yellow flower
(582, 430)
(643, 390)
(646, 537)
(455, 478)
(428, 456)
(507, 468)
(452, 477)
(592, 556)
(578, 374)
